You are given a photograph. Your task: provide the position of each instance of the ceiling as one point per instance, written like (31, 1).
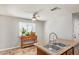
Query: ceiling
(27, 10)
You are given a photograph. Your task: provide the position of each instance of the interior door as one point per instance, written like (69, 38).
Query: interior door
(76, 28)
(75, 20)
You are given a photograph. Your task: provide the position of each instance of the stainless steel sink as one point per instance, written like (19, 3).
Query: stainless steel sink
(56, 46)
(60, 44)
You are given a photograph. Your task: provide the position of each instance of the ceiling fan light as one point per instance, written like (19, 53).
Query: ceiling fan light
(33, 18)
(38, 18)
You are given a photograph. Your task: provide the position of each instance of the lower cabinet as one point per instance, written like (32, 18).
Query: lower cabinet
(76, 50)
(41, 52)
(69, 52)
(65, 53)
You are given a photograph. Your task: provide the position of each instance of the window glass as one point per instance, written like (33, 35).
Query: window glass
(28, 27)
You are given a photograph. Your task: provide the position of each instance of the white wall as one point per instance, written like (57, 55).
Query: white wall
(59, 22)
(8, 32)
(40, 29)
(9, 27)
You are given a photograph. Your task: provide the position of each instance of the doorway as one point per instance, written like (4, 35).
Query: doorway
(75, 19)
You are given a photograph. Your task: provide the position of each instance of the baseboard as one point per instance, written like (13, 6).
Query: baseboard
(9, 48)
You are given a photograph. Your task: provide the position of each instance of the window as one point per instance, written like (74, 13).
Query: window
(28, 27)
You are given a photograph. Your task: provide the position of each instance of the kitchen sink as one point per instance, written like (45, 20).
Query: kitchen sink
(60, 44)
(55, 46)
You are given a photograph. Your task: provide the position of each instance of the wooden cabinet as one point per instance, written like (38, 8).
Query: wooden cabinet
(69, 52)
(41, 52)
(76, 50)
(72, 51)
(65, 53)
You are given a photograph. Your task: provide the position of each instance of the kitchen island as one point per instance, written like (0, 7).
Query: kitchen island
(69, 50)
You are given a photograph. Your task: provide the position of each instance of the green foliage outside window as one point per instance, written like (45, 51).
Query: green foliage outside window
(25, 32)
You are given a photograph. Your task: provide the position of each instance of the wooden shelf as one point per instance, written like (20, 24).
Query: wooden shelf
(24, 39)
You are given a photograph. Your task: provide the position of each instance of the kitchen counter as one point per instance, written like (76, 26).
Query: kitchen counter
(71, 43)
(32, 50)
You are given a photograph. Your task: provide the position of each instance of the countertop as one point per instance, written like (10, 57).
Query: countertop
(71, 43)
(20, 51)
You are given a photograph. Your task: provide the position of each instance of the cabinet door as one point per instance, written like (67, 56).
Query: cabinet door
(76, 50)
(70, 51)
(65, 53)
(41, 52)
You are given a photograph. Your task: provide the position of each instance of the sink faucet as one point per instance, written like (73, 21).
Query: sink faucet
(52, 38)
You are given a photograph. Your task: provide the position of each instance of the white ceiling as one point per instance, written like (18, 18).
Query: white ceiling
(27, 10)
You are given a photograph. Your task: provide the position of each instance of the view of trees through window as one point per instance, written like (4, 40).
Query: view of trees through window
(26, 28)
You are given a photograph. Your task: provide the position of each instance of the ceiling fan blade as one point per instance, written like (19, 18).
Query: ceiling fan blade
(35, 13)
(55, 8)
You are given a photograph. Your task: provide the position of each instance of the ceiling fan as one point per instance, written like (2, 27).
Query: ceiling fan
(36, 16)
